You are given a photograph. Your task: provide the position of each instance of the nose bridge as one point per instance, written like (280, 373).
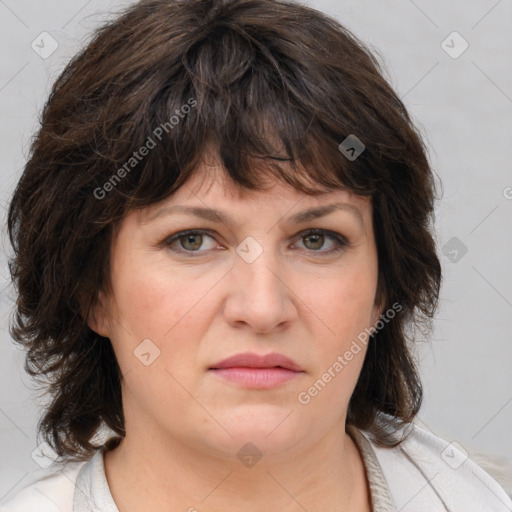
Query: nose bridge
(257, 262)
(259, 296)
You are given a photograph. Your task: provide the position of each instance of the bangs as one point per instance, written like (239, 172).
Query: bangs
(273, 89)
(231, 97)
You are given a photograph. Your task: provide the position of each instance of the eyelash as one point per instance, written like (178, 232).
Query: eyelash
(340, 240)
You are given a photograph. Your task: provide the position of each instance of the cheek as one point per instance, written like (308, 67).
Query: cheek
(344, 302)
(344, 307)
(155, 300)
(172, 314)
(151, 305)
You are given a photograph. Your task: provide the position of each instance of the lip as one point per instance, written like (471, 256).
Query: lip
(252, 360)
(257, 371)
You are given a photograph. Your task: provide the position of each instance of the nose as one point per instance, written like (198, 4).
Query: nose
(260, 294)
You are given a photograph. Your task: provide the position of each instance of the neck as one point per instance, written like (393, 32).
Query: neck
(164, 474)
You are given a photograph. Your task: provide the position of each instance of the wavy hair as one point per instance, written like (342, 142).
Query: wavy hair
(267, 81)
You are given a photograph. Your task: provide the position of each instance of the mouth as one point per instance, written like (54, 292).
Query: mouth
(256, 378)
(254, 371)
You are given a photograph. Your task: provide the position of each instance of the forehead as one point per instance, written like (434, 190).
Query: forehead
(210, 186)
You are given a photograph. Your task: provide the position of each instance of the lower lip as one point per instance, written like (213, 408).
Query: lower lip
(256, 378)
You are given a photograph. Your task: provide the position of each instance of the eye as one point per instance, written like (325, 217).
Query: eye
(190, 241)
(315, 239)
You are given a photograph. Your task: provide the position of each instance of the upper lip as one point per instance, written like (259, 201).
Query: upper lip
(251, 360)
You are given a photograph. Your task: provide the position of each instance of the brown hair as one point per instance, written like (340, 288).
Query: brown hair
(267, 81)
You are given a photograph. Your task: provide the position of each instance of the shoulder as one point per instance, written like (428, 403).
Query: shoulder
(49, 490)
(426, 469)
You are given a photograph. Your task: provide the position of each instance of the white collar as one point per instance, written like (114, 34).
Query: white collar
(412, 477)
(92, 493)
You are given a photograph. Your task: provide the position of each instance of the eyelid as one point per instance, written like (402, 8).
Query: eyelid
(180, 234)
(341, 240)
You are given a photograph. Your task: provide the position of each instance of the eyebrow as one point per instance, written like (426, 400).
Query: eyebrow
(219, 216)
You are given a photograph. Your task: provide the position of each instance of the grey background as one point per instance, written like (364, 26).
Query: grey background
(463, 107)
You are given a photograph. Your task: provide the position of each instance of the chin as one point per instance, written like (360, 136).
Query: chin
(272, 433)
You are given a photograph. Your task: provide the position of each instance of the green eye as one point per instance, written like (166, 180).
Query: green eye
(191, 241)
(317, 238)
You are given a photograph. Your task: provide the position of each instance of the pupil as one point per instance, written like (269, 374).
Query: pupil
(318, 238)
(188, 238)
(317, 241)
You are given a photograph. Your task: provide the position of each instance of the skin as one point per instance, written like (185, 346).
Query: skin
(184, 425)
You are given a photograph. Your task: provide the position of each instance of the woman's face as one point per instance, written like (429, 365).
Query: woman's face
(261, 284)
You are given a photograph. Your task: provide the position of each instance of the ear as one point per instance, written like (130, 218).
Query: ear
(378, 308)
(97, 318)
(376, 312)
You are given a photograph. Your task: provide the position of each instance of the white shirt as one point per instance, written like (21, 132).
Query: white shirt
(425, 473)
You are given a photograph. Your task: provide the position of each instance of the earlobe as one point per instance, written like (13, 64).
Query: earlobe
(97, 316)
(378, 310)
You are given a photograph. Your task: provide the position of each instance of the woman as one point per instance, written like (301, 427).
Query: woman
(222, 236)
